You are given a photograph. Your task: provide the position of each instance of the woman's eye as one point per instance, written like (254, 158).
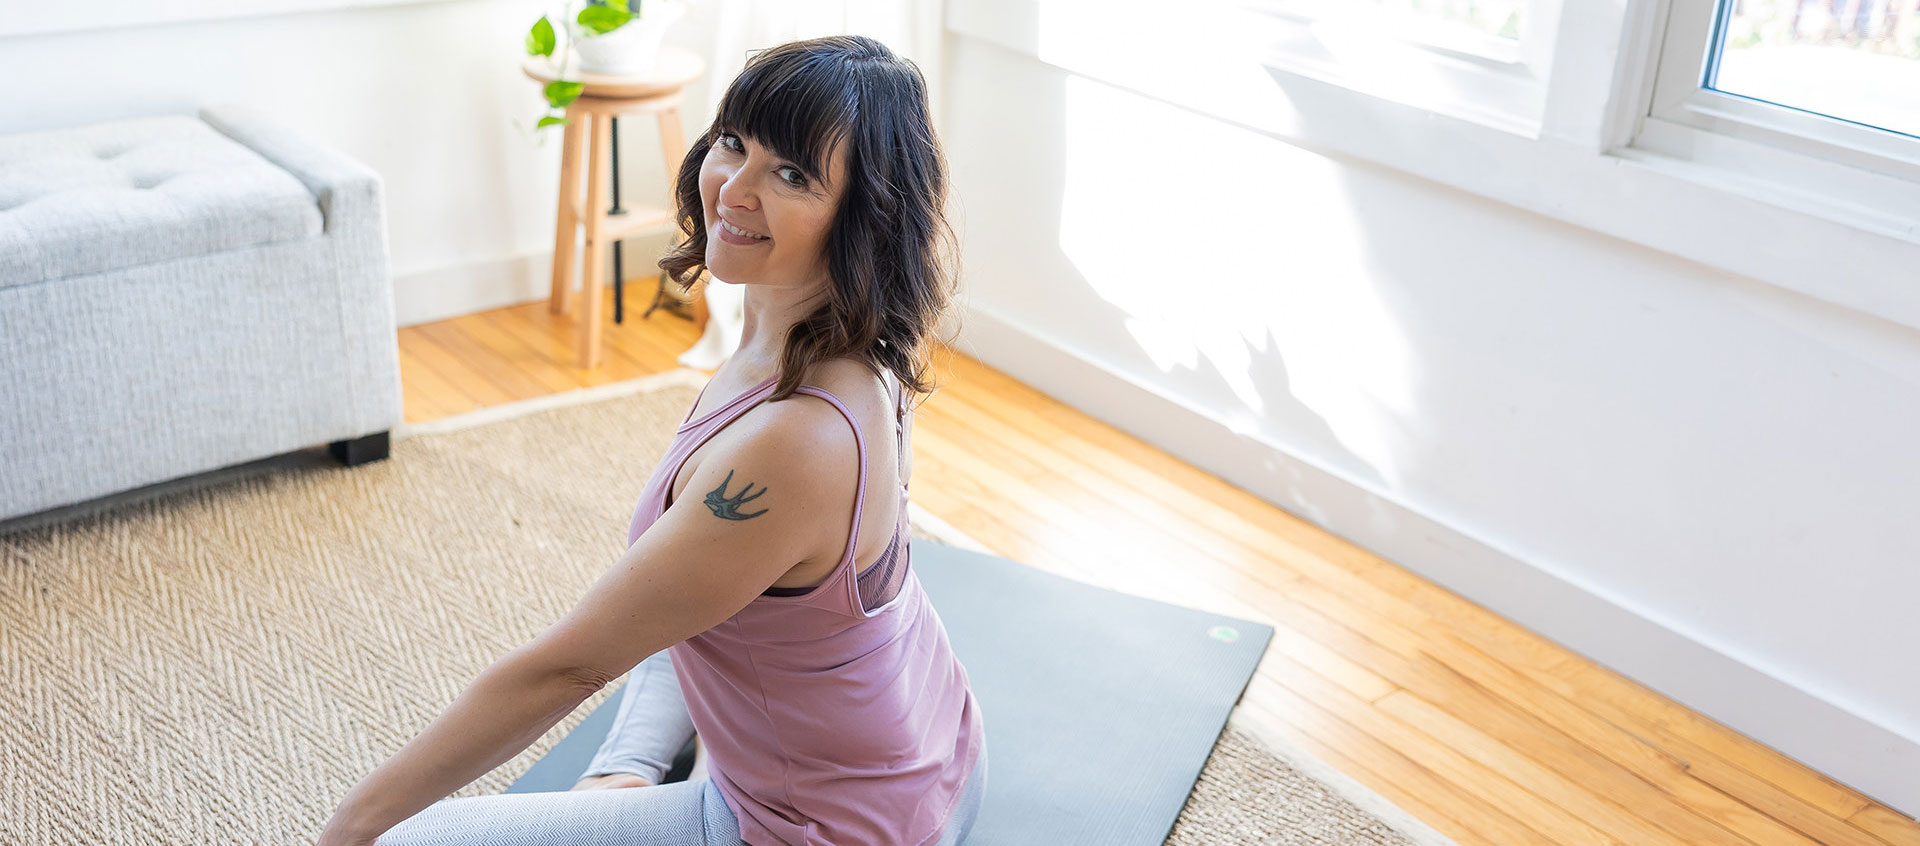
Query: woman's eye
(732, 142)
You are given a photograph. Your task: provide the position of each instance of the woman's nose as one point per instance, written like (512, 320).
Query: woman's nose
(736, 190)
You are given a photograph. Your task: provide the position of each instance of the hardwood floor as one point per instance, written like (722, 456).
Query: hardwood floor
(1487, 732)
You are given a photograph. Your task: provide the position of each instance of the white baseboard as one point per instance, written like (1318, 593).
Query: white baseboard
(1847, 747)
(446, 292)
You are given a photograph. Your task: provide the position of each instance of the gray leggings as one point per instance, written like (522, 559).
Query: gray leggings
(648, 732)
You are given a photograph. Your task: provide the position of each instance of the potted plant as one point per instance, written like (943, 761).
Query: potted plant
(612, 37)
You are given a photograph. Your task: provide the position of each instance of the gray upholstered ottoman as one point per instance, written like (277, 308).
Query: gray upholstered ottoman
(182, 293)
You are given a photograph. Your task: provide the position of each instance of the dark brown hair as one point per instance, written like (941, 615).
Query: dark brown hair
(890, 249)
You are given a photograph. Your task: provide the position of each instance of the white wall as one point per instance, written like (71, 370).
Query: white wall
(425, 94)
(1703, 481)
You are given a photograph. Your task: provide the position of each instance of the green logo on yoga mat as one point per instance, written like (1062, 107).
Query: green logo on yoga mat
(1226, 634)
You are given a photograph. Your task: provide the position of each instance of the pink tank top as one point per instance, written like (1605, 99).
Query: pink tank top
(835, 715)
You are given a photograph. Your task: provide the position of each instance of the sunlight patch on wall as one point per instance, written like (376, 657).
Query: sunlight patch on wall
(1209, 54)
(1231, 252)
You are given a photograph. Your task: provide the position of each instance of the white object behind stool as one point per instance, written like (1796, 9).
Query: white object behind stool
(726, 318)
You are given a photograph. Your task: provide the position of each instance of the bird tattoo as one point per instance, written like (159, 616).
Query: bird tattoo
(726, 507)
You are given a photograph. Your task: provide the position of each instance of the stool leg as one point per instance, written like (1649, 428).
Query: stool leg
(567, 220)
(588, 332)
(673, 144)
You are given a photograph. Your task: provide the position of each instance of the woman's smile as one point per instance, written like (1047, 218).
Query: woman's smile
(735, 235)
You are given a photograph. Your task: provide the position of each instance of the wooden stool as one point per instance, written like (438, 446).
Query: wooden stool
(602, 98)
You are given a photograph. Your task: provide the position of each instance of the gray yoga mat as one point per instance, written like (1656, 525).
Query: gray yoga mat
(1100, 708)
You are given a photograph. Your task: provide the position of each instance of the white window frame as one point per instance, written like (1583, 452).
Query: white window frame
(1680, 97)
(1594, 154)
(1865, 177)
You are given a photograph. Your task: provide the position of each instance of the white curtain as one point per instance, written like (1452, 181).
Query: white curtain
(911, 28)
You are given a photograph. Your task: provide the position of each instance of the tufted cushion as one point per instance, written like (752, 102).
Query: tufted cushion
(137, 191)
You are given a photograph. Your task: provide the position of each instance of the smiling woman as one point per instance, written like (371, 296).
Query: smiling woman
(831, 159)
(814, 668)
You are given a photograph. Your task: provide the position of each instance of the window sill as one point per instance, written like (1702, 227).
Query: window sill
(1495, 93)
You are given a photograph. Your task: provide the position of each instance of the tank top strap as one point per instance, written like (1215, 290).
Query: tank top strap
(899, 429)
(860, 440)
(694, 432)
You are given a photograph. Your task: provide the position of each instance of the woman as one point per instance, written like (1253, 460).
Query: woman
(815, 671)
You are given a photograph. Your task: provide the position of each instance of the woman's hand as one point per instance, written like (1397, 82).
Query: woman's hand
(610, 781)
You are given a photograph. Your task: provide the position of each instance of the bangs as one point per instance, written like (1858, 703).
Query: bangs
(796, 104)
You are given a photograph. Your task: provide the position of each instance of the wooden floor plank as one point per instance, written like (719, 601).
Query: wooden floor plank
(1425, 806)
(542, 342)
(1566, 791)
(458, 357)
(1649, 763)
(663, 337)
(1488, 824)
(1895, 828)
(1523, 801)
(426, 395)
(554, 376)
(469, 377)
(1629, 704)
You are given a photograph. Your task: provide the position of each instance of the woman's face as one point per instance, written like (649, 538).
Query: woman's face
(744, 184)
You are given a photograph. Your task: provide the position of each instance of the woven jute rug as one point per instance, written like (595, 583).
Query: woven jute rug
(219, 658)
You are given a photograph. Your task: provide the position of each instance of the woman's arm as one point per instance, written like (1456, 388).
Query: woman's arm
(504, 711)
(772, 499)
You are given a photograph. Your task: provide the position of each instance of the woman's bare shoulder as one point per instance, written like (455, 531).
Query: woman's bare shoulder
(850, 379)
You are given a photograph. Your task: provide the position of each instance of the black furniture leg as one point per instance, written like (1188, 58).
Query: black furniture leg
(619, 276)
(360, 450)
(659, 296)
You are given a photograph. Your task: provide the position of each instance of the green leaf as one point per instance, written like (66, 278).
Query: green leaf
(602, 19)
(1510, 28)
(561, 92)
(548, 121)
(540, 40)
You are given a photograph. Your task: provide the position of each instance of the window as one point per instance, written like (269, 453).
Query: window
(1833, 80)
(1856, 61)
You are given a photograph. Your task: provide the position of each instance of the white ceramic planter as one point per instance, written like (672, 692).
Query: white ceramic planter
(633, 48)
